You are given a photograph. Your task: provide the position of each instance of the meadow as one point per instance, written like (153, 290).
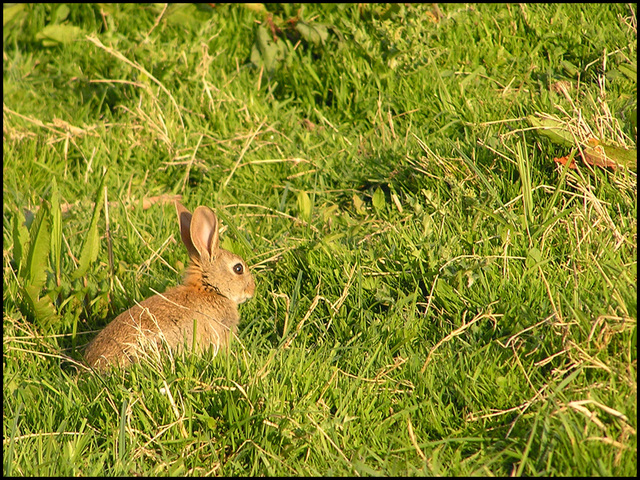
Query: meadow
(438, 203)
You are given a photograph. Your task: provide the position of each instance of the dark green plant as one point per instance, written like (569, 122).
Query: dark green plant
(38, 253)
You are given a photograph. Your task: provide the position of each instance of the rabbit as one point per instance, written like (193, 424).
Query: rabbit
(215, 283)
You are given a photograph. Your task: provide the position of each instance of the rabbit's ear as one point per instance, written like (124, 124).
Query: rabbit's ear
(204, 232)
(184, 219)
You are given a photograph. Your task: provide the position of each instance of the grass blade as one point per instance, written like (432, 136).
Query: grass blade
(20, 240)
(525, 454)
(122, 433)
(8, 458)
(525, 181)
(91, 245)
(492, 191)
(39, 246)
(56, 231)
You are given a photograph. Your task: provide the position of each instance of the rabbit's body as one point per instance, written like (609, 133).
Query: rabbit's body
(215, 283)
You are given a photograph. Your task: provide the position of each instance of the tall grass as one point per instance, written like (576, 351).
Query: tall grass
(436, 294)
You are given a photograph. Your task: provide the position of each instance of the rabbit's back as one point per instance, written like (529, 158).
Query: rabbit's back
(165, 319)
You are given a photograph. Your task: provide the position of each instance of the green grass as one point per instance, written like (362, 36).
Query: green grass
(434, 295)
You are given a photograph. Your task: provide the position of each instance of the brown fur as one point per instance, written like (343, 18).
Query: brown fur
(209, 298)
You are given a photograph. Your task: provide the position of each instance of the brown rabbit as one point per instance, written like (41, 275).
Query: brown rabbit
(216, 282)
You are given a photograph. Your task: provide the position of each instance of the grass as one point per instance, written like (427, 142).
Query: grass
(435, 296)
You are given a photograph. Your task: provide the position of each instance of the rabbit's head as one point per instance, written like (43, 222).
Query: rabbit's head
(212, 269)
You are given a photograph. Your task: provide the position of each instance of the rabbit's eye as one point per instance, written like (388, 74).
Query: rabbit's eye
(238, 268)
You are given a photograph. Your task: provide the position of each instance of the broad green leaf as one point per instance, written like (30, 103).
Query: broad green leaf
(30, 296)
(534, 256)
(611, 156)
(304, 205)
(41, 308)
(312, 33)
(184, 15)
(395, 10)
(265, 51)
(61, 14)
(13, 12)
(56, 231)
(256, 7)
(570, 68)
(378, 199)
(630, 70)
(553, 129)
(38, 256)
(329, 212)
(91, 245)
(52, 35)
(602, 155)
(358, 203)
(20, 239)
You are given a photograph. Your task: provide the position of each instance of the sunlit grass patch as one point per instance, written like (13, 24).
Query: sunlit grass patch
(437, 293)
